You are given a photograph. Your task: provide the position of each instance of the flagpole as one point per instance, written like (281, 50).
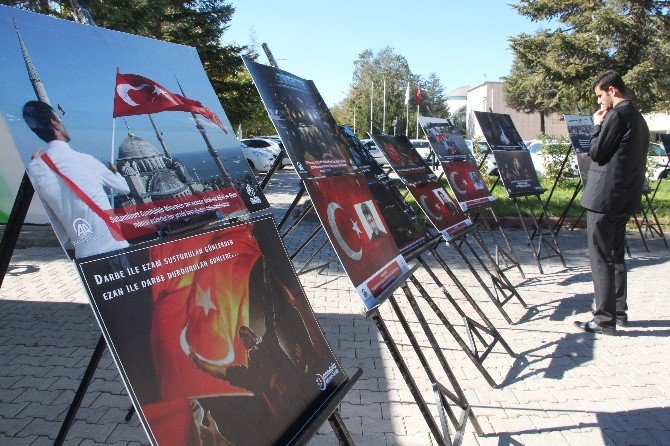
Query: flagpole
(372, 95)
(417, 121)
(111, 160)
(407, 120)
(384, 112)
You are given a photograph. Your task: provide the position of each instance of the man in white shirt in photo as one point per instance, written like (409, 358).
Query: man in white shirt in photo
(75, 222)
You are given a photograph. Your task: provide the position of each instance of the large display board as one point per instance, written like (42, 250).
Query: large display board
(342, 199)
(424, 186)
(458, 163)
(406, 229)
(177, 164)
(214, 336)
(579, 130)
(515, 165)
(309, 132)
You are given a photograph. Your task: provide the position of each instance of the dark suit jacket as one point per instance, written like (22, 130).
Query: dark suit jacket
(619, 153)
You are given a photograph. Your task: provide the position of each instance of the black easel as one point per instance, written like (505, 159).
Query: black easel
(552, 247)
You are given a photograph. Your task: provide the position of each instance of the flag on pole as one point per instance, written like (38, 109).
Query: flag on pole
(407, 94)
(61, 109)
(418, 93)
(138, 95)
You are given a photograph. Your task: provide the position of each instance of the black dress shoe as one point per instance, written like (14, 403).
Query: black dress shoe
(594, 327)
(622, 320)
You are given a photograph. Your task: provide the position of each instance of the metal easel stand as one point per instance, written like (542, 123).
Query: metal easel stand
(507, 256)
(444, 398)
(552, 248)
(561, 220)
(503, 288)
(553, 187)
(652, 226)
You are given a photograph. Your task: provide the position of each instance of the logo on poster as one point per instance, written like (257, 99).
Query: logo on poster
(323, 379)
(82, 227)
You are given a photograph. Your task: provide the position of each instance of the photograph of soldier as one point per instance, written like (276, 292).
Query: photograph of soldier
(517, 172)
(372, 222)
(314, 142)
(499, 131)
(222, 345)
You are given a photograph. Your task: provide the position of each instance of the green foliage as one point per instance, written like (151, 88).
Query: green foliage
(370, 72)
(553, 150)
(553, 69)
(198, 23)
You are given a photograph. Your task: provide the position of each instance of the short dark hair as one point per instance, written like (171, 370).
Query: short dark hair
(609, 78)
(38, 116)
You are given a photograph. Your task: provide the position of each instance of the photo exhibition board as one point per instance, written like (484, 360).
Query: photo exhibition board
(515, 165)
(423, 185)
(119, 99)
(311, 136)
(458, 163)
(408, 231)
(579, 130)
(214, 336)
(359, 234)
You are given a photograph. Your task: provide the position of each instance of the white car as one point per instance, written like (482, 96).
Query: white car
(659, 157)
(270, 144)
(259, 160)
(423, 147)
(374, 151)
(535, 149)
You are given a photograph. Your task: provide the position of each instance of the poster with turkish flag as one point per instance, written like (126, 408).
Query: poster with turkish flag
(138, 95)
(356, 229)
(312, 138)
(164, 165)
(447, 144)
(467, 183)
(403, 158)
(214, 337)
(440, 209)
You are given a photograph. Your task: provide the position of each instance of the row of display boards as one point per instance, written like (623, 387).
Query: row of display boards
(187, 274)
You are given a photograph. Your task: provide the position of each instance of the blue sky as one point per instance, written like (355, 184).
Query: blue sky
(463, 41)
(77, 65)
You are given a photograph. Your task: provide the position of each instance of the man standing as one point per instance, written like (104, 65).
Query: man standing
(71, 186)
(619, 142)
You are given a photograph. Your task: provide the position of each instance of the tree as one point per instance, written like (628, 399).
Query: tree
(625, 35)
(433, 101)
(370, 72)
(197, 23)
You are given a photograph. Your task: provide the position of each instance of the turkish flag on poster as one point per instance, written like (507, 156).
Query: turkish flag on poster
(138, 95)
(200, 308)
(358, 232)
(439, 207)
(467, 183)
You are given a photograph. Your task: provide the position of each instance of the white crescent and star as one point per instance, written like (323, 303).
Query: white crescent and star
(454, 183)
(355, 255)
(422, 198)
(123, 89)
(204, 299)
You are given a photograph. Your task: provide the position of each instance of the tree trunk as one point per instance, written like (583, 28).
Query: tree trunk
(542, 129)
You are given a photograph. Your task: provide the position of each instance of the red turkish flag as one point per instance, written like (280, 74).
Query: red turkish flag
(138, 95)
(436, 204)
(201, 310)
(467, 183)
(418, 94)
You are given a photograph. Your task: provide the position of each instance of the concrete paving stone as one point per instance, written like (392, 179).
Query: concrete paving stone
(393, 439)
(50, 412)
(40, 427)
(6, 440)
(124, 433)
(631, 438)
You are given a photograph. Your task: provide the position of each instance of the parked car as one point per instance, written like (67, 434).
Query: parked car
(535, 149)
(423, 147)
(481, 149)
(270, 144)
(260, 160)
(659, 157)
(374, 151)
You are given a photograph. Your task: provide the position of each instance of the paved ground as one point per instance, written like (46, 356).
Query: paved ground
(563, 388)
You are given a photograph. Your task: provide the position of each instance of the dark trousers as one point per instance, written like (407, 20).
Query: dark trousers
(607, 236)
